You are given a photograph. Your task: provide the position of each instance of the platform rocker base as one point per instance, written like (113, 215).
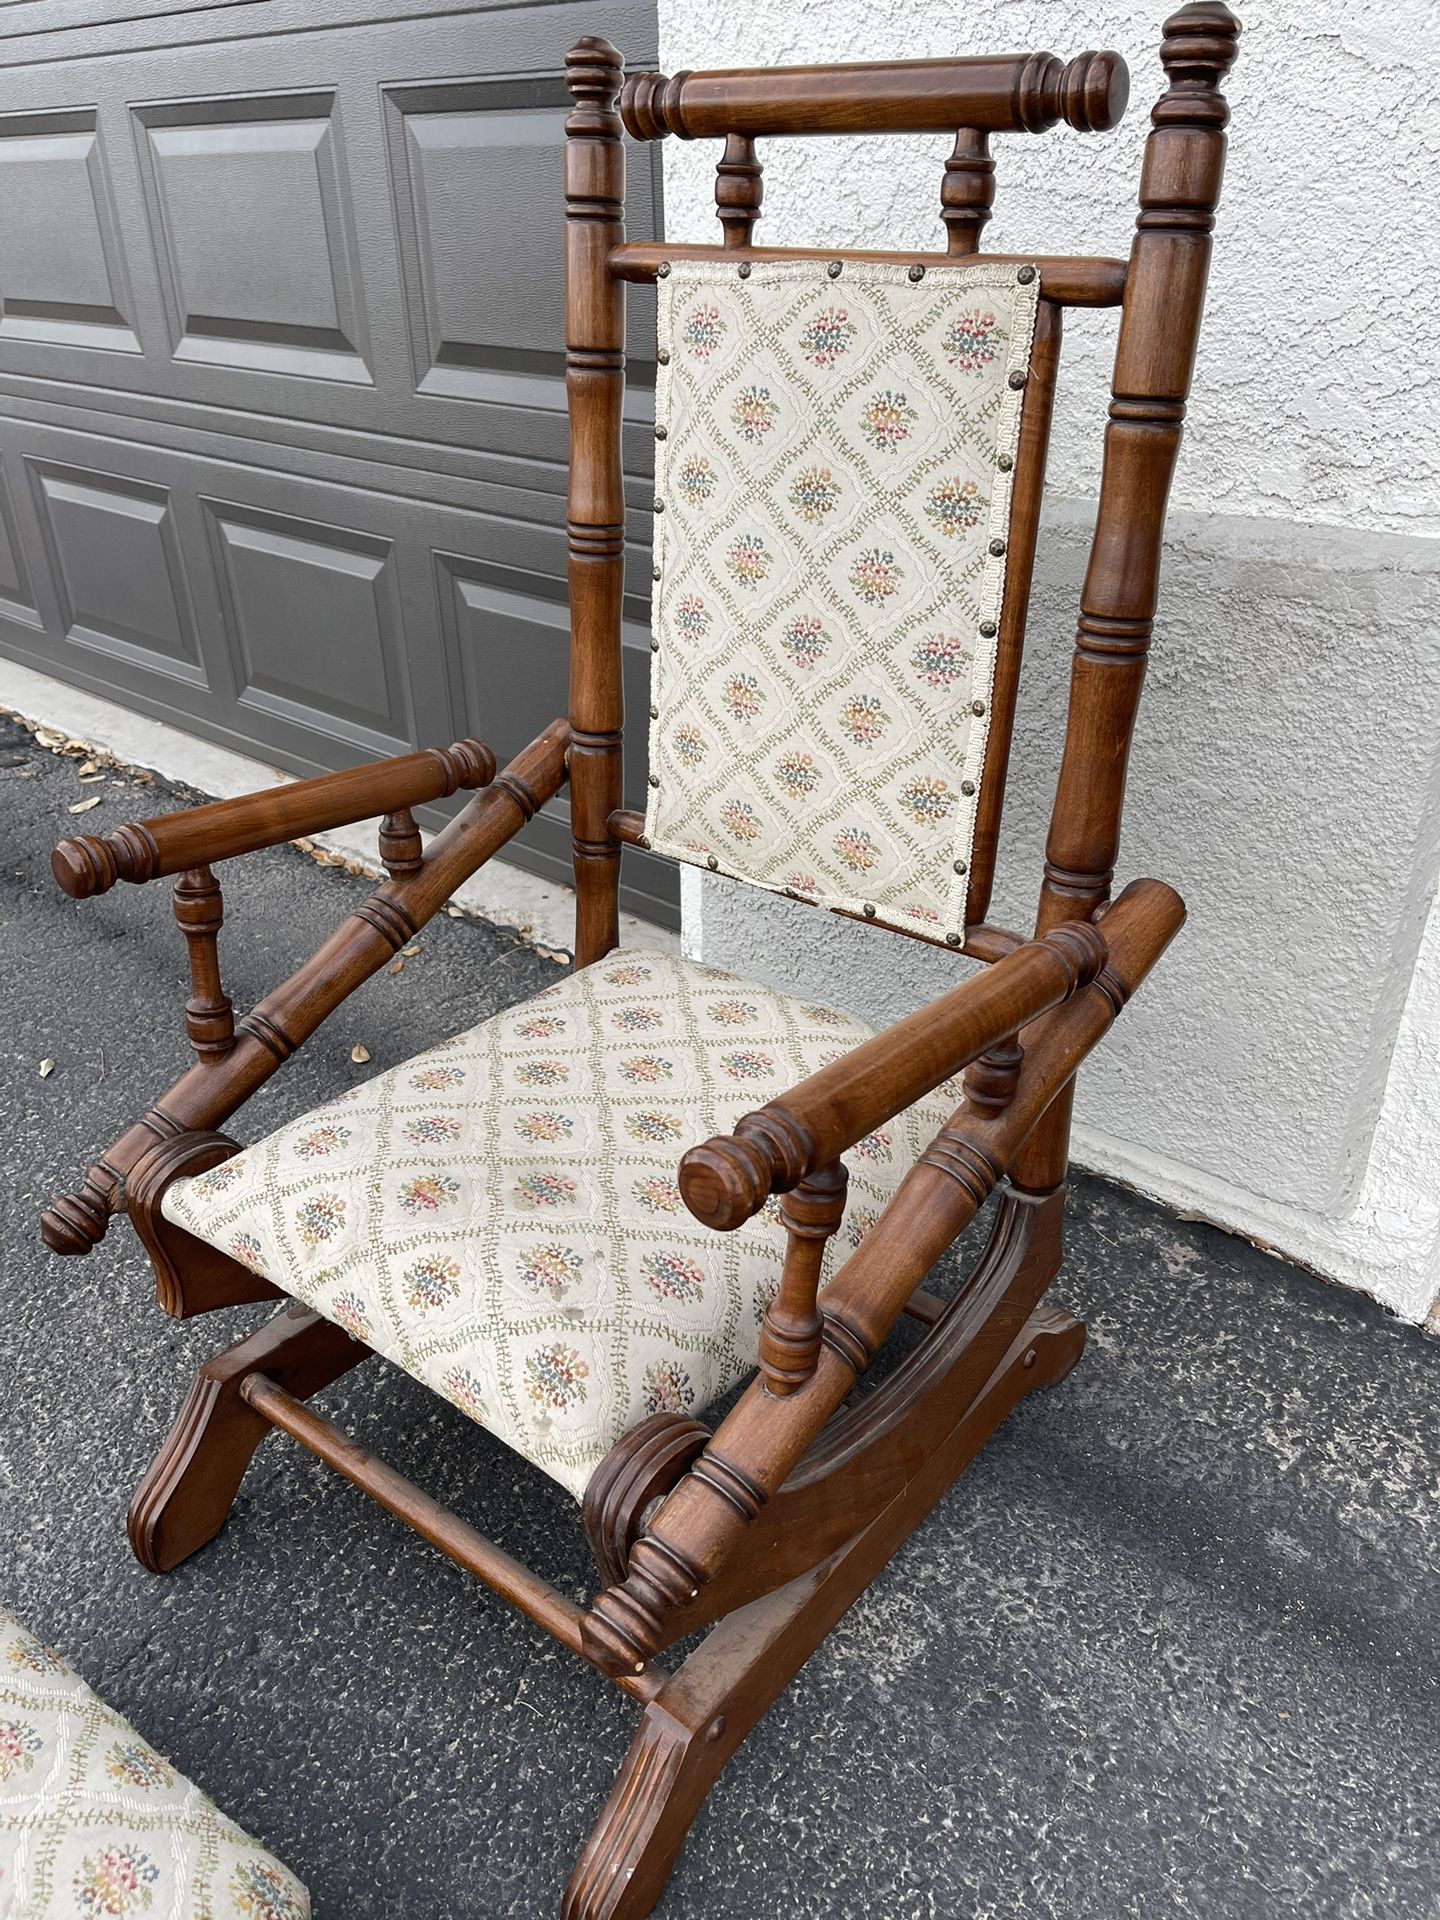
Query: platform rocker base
(771, 1616)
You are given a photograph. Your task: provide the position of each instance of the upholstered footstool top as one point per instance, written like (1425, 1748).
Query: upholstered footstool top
(96, 1825)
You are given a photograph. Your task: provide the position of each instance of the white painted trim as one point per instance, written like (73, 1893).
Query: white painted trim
(538, 909)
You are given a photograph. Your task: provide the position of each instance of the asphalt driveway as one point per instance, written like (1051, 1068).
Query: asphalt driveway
(1167, 1649)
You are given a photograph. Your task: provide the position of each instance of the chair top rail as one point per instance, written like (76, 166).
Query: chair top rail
(1001, 93)
(1068, 280)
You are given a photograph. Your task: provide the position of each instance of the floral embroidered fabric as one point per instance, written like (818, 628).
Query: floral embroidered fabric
(833, 485)
(500, 1216)
(95, 1825)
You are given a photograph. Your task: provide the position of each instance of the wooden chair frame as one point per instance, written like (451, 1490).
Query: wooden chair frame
(767, 1529)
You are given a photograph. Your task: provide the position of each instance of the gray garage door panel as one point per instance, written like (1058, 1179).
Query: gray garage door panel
(282, 433)
(367, 235)
(32, 18)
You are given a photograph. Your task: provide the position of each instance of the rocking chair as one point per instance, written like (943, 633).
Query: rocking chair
(589, 1218)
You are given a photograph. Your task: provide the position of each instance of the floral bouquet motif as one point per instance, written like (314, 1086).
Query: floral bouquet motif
(875, 576)
(826, 336)
(703, 330)
(754, 414)
(885, 421)
(972, 341)
(748, 559)
(955, 506)
(804, 640)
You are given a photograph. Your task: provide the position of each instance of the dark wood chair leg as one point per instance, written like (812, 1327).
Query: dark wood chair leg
(702, 1714)
(182, 1502)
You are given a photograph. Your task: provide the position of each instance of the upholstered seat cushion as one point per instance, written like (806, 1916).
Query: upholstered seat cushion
(500, 1215)
(96, 1825)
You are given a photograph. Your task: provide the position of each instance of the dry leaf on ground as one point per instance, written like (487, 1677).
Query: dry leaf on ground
(84, 806)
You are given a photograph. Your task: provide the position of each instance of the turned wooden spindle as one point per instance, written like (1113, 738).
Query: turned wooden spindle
(990, 1081)
(739, 189)
(595, 510)
(967, 192)
(1154, 356)
(401, 850)
(791, 1332)
(199, 913)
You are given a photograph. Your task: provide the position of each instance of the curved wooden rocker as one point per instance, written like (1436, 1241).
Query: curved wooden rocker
(768, 1527)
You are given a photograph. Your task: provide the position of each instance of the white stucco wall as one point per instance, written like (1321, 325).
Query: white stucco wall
(1281, 1072)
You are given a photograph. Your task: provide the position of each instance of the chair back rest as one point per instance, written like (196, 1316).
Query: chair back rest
(834, 468)
(850, 464)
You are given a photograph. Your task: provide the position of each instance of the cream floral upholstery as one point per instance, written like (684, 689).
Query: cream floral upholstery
(833, 485)
(95, 1825)
(500, 1215)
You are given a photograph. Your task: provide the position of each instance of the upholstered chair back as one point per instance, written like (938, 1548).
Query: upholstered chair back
(836, 449)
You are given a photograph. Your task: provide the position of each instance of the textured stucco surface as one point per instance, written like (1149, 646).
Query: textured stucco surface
(1287, 763)
(1300, 830)
(1318, 364)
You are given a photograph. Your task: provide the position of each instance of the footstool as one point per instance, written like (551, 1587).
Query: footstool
(96, 1825)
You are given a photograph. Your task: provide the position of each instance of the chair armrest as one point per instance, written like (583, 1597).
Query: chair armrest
(725, 1180)
(259, 1044)
(172, 843)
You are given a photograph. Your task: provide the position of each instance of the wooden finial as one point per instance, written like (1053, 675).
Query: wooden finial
(650, 105)
(1089, 93)
(1197, 52)
(593, 72)
(1093, 92)
(84, 866)
(73, 1223)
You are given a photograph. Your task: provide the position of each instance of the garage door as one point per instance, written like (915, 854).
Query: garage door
(282, 429)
